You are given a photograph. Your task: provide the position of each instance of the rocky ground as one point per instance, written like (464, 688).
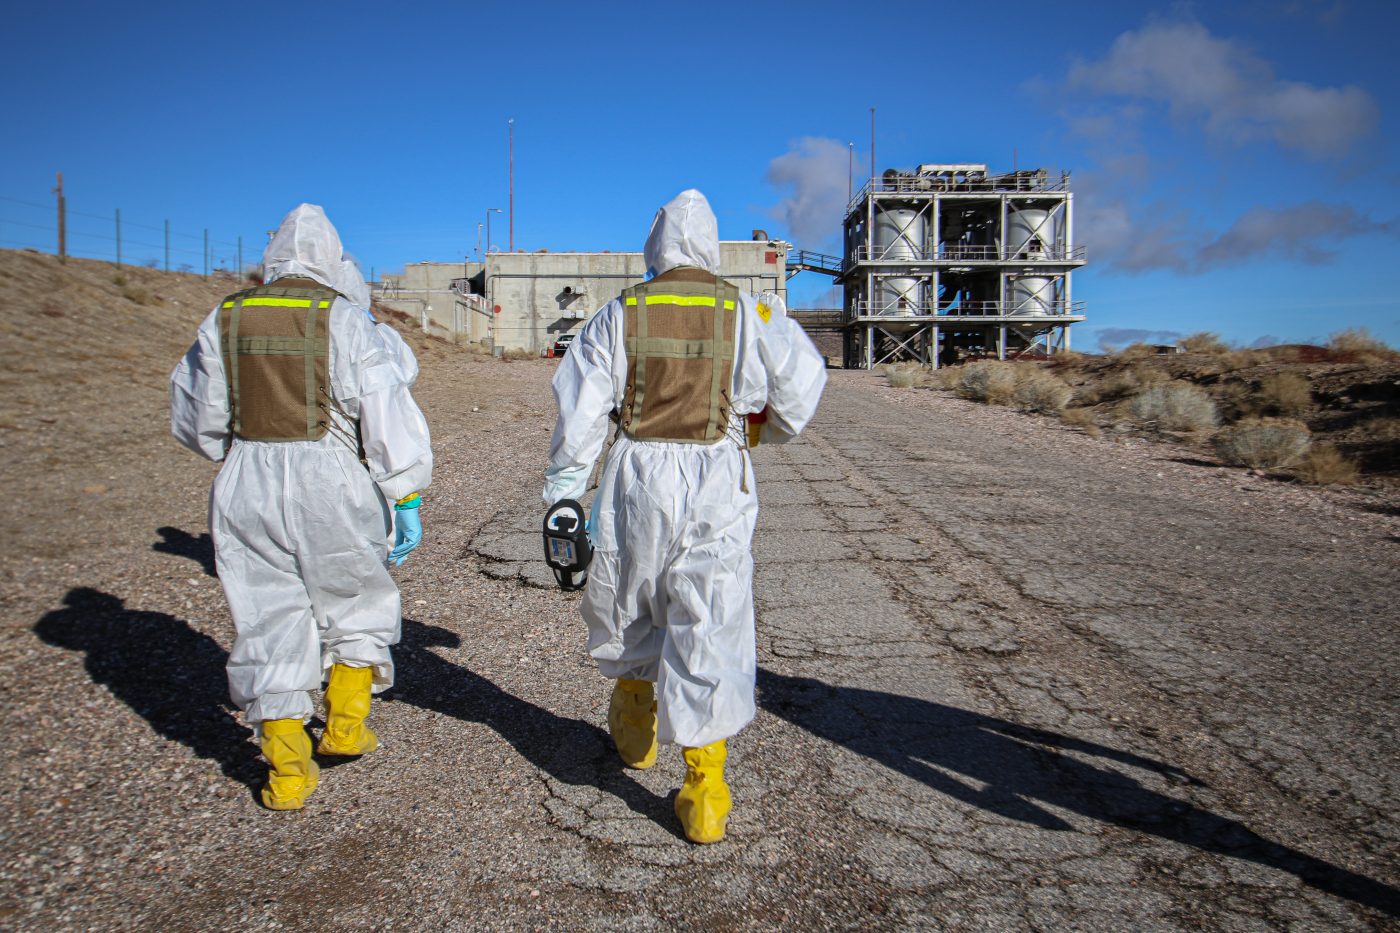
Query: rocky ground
(1011, 678)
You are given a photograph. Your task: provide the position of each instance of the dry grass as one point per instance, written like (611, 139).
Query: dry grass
(905, 374)
(1081, 418)
(1175, 406)
(1125, 382)
(902, 378)
(1203, 342)
(1264, 443)
(1381, 428)
(1284, 394)
(1323, 465)
(946, 377)
(1040, 391)
(988, 381)
(1359, 344)
(139, 296)
(1135, 351)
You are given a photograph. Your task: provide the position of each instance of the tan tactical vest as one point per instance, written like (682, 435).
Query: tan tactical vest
(680, 357)
(275, 341)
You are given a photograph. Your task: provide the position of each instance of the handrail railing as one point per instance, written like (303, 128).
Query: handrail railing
(896, 310)
(914, 183)
(817, 317)
(953, 252)
(814, 262)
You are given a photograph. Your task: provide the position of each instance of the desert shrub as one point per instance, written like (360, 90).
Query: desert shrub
(1285, 393)
(1229, 361)
(988, 381)
(1324, 465)
(902, 378)
(1128, 381)
(1381, 428)
(1203, 342)
(1136, 351)
(1358, 342)
(138, 296)
(945, 377)
(1263, 443)
(1081, 418)
(1175, 406)
(119, 280)
(1040, 391)
(1087, 394)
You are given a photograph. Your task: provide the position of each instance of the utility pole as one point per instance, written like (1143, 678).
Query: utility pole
(239, 271)
(510, 124)
(489, 212)
(478, 243)
(850, 171)
(119, 238)
(62, 221)
(872, 146)
(167, 246)
(206, 252)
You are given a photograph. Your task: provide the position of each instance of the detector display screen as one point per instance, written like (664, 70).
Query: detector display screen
(561, 552)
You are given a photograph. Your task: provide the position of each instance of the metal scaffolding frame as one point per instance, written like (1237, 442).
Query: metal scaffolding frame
(930, 261)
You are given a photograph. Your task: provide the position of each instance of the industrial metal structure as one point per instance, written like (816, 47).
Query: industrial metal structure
(948, 261)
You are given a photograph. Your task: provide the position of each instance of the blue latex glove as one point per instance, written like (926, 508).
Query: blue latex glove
(408, 532)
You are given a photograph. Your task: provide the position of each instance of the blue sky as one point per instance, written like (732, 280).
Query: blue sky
(1235, 164)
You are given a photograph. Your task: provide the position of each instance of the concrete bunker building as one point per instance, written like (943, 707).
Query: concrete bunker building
(525, 301)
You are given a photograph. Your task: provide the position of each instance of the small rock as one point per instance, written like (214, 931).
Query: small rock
(95, 489)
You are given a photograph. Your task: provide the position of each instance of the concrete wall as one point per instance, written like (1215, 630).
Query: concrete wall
(424, 291)
(543, 295)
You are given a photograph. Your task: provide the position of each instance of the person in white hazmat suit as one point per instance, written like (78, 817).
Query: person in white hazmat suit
(680, 361)
(307, 402)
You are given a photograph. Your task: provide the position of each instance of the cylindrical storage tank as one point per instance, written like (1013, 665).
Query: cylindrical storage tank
(900, 234)
(1031, 233)
(1031, 294)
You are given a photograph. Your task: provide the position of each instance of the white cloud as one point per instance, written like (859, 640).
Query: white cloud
(1230, 89)
(1111, 338)
(816, 169)
(1309, 232)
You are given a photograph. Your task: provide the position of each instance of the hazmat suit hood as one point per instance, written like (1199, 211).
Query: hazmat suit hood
(307, 245)
(684, 233)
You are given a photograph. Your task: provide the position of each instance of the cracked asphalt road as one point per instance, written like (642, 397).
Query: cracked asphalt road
(1011, 678)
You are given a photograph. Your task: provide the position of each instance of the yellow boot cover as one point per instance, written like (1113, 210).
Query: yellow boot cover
(347, 705)
(632, 722)
(703, 804)
(293, 777)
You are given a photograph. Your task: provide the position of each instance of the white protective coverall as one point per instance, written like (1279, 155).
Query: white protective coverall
(670, 590)
(301, 528)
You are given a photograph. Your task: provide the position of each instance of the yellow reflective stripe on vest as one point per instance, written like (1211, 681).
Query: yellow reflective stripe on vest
(691, 301)
(278, 303)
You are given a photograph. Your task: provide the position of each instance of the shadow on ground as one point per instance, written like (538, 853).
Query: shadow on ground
(1021, 771)
(198, 548)
(569, 750)
(173, 676)
(160, 667)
